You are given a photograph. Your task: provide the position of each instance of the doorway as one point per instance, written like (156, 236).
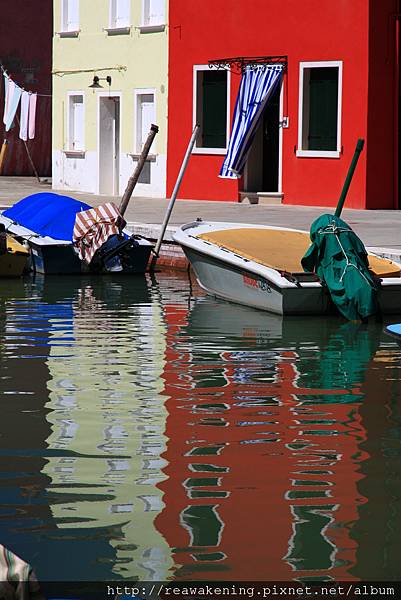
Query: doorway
(262, 171)
(109, 145)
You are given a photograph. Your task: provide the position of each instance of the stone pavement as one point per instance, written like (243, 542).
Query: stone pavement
(378, 229)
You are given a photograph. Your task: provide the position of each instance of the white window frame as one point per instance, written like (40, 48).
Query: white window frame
(319, 153)
(147, 27)
(70, 149)
(64, 20)
(142, 92)
(112, 20)
(199, 149)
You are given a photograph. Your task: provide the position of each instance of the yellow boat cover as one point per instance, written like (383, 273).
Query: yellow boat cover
(281, 250)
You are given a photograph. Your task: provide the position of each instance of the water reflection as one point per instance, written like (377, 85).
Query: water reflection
(263, 458)
(145, 436)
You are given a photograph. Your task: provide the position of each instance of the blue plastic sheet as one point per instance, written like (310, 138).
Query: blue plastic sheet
(48, 214)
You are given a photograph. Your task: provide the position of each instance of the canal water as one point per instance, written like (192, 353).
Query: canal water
(150, 432)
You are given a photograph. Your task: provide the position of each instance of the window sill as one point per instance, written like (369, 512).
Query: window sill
(69, 34)
(151, 28)
(74, 153)
(118, 30)
(219, 151)
(318, 153)
(150, 157)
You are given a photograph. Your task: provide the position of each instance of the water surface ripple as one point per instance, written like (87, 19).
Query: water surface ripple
(151, 432)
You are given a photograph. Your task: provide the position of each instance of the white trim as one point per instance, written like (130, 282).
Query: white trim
(64, 23)
(118, 30)
(201, 149)
(280, 139)
(67, 141)
(102, 94)
(113, 27)
(318, 153)
(151, 27)
(301, 152)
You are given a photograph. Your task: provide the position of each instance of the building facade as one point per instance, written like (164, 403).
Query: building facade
(339, 82)
(28, 63)
(110, 85)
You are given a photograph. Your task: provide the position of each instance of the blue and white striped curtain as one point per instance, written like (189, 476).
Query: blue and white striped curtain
(257, 85)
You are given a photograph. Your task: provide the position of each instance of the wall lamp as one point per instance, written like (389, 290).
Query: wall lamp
(96, 80)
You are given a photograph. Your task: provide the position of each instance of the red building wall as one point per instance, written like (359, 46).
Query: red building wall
(26, 54)
(382, 148)
(312, 30)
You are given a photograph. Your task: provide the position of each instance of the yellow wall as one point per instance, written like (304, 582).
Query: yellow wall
(143, 58)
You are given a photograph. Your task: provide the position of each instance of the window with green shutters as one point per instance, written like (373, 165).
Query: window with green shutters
(214, 109)
(323, 99)
(319, 130)
(211, 108)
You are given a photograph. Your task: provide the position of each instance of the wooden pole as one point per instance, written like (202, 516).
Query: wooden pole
(28, 153)
(3, 154)
(174, 196)
(132, 181)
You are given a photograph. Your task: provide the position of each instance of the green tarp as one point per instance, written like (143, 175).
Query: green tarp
(339, 258)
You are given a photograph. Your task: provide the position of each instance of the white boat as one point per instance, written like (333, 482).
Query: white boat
(260, 266)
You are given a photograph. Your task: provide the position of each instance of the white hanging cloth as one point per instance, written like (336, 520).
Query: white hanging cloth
(32, 115)
(23, 129)
(13, 97)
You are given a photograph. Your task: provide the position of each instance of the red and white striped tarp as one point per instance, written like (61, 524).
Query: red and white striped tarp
(94, 227)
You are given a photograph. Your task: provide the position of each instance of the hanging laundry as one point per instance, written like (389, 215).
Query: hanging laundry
(5, 97)
(23, 129)
(14, 94)
(32, 115)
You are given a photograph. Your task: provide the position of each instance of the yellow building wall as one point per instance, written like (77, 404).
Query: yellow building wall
(137, 60)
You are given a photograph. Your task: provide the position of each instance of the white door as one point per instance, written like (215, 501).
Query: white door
(109, 145)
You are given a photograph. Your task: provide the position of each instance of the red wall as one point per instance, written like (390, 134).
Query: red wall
(304, 31)
(26, 46)
(382, 172)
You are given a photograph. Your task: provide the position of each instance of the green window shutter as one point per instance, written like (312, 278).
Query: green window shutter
(214, 109)
(323, 100)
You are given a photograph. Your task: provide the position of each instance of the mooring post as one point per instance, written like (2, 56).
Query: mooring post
(358, 150)
(173, 197)
(132, 181)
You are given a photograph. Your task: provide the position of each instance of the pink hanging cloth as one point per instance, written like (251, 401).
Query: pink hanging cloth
(32, 115)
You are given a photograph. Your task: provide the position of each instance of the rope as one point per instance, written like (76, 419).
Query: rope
(20, 86)
(332, 229)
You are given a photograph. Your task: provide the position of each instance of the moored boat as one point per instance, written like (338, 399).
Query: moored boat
(395, 331)
(260, 266)
(46, 223)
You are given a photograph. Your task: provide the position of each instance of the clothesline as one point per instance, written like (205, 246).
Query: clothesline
(3, 70)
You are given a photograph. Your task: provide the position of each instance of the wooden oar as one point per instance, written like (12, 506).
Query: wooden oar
(358, 150)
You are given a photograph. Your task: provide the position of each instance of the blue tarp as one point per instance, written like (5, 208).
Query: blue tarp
(47, 214)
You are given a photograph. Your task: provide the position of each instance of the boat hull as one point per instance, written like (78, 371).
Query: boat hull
(225, 281)
(63, 260)
(13, 262)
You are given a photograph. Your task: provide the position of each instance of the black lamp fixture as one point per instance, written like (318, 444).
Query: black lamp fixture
(96, 80)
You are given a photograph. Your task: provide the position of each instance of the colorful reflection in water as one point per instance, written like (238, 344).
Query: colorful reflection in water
(150, 434)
